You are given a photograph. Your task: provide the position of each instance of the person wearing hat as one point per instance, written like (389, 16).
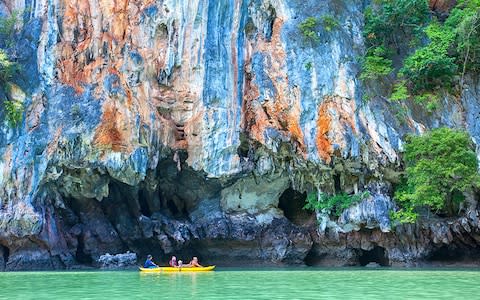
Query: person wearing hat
(149, 263)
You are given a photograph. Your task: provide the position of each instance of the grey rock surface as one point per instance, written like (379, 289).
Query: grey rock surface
(117, 261)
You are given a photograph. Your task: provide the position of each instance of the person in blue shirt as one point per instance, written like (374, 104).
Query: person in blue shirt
(149, 263)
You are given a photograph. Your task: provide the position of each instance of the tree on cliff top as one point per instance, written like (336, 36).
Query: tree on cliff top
(441, 166)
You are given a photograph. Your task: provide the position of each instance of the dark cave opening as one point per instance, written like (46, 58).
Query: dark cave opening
(313, 258)
(291, 202)
(143, 202)
(376, 255)
(173, 209)
(244, 147)
(337, 183)
(80, 255)
(452, 253)
(5, 253)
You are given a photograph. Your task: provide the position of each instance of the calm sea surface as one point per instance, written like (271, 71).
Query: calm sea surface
(242, 284)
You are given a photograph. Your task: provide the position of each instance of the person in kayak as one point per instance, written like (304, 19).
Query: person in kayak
(194, 263)
(173, 262)
(149, 263)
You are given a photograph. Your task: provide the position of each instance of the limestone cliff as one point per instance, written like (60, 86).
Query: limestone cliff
(195, 126)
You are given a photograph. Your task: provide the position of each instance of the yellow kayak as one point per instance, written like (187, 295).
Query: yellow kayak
(171, 269)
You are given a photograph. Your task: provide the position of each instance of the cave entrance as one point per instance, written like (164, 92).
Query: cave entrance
(143, 201)
(80, 255)
(5, 253)
(452, 253)
(291, 202)
(314, 257)
(376, 255)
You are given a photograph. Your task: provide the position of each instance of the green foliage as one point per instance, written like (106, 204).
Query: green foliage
(7, 27)
(428, 100)
(14, 112)
(309, 26)
(391, 22)
(432, 66)
(400, 91)
(13, 109)
(464, 20)
(308, 66)
(329, 22)
(333, 204)
(376, 64)
(403, 215)
(450, 49)
(308, 29)
(7, 68)
(441, 165)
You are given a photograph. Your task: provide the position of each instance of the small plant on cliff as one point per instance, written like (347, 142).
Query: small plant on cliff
(14, 112)
(329, 23)
(7, 68)
(308, 29)
(376, 64)
(308, 66)
(7, 27)
(403, 215)
(13, 109)
(333, 204)
(400, 91)
(441, 165)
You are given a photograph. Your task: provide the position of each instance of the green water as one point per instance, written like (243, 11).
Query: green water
(245, 284)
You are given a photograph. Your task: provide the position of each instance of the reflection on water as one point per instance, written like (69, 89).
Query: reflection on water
(244, 284)
(177, 282)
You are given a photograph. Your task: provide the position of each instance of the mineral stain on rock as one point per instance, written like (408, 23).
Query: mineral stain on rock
(195, 128)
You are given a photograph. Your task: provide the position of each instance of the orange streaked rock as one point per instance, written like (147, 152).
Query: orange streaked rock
(108, 134)
(336, 115)
(324, 146)
(283, 111)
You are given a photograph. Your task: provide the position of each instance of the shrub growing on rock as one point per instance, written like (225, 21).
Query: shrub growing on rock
(432, 66)
(441, 165)
(13, 109)
(7, 68)
(376, 64)
(308, 29)
(390, 23)
(333, 204)
(449, 48)
(329, 22)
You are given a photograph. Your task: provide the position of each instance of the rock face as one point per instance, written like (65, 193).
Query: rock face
(117, 261)
(182, 127)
